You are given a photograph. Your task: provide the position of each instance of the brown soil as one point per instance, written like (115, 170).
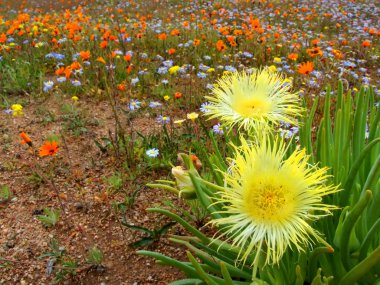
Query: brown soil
(78, 174)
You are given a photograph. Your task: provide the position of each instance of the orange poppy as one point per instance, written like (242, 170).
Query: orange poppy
(293, 56)
(49, 149)
(121, 87)
(315, 42)
(127, 57)
(196, 42)
(85, 55)
(315, 51)
(337, 53)
(220, 45)
(177, 95)
(171, 51)
(103, 44)
(101, 59)
(162, 36)
(75, 65)
(25, 139)
(305, 68)
(60, 71)
(175, 32)
(366, 43)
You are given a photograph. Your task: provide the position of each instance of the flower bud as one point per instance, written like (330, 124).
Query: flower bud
(184, 184)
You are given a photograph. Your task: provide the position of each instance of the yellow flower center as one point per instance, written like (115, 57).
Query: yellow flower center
(266, 202)
(254, 107)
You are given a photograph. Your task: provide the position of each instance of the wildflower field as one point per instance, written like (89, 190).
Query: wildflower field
(190, 142)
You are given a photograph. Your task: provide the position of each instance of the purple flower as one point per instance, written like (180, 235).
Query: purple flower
(163, 119)
(217, 129)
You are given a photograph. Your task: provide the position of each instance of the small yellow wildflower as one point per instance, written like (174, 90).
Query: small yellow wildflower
(210, 70)
(192, 116)
(74, 98)
(179, 122)
(166, 97)
(17, 110)
(174, 69)
(277, 60)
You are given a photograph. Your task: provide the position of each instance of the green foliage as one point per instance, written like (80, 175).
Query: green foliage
(95, 256)
(50, 217)
(68, 270)
(115, 182)
(35, 179)
(20, 76)
(75, 121)
(151, 236)
(59, 263)
(6, 194)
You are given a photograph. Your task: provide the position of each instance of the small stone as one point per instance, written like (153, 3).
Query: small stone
(78, 206)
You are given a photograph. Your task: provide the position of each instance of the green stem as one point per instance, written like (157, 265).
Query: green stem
(362, 268)
(314, 257)
(181, 221)
(354, 169)
(348, 226)
(368, 238)
(373, 175)
(162, 186)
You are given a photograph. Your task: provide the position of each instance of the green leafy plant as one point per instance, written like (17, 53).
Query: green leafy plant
(6, 194)
(68, 270)
(115, 182)
(95, 256)
(59, 263)
(151, 236)
(50, 217)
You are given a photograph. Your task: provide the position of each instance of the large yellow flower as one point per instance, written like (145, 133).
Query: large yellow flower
(268, 201)
(253, 100)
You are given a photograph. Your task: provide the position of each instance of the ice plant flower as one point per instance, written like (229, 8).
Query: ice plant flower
(251, 101)
(269, 200)
(49, 149)
(153, 152)
(16, 110)
(272, 68)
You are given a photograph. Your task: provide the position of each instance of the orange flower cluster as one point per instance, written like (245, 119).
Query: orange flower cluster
(49, 148)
